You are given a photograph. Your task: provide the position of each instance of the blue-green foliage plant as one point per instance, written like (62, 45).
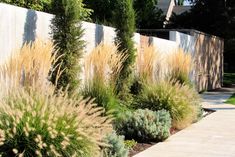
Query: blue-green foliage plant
(145, 125)
(116, 147)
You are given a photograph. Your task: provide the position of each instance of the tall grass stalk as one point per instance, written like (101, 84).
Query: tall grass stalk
(30, 64)
(38, 120)
(180, 65)
(104, 63)
(148, 64)
(102, 68)
(180, 100)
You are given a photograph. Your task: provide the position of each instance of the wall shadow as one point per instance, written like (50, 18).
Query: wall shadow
(99, 34)
(30, 27)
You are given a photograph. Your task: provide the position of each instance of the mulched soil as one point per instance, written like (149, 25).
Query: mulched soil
(139, 147)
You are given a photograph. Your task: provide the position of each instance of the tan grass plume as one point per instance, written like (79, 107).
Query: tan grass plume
(29, 64)
(148, 63)
(180, 64)
(104, 63)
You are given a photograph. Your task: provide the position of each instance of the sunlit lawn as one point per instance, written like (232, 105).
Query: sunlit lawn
(229, 79)
(231, 100)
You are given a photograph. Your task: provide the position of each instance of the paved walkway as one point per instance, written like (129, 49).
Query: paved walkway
(215, 100)
(213, 136)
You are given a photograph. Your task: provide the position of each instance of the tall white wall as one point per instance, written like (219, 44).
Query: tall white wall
(185, 41)
(19, 25)
(164, 48)
(188, 44)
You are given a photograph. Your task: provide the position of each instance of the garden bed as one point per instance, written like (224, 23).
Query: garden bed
(139, 147)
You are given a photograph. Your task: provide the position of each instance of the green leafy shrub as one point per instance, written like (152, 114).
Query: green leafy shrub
(180, 100)
(102, 14)
(130, 144)
(148, 16)
(145, 125)
(117, 146)
(37, 122)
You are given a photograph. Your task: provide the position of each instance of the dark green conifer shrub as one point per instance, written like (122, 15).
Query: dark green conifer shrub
(67, 33)
(124, 21)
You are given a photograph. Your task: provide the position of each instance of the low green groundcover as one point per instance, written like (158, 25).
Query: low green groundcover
(231, 100)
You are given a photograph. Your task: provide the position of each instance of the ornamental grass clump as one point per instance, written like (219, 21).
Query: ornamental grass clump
(180, 66)
(102, 67)
(28, 65)
(181, 101)
(38, 120)
(104, 63)
(145, 125)
(148, 64)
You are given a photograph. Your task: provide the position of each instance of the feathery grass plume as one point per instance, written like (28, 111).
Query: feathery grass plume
(104, 63)
(37, 122)
(102, 67)
(180, 66)
(148, 63)
(181, 101)
(29, 65)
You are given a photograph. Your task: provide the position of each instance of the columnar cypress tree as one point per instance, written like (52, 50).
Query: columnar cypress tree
(67, 32)
(124, 20)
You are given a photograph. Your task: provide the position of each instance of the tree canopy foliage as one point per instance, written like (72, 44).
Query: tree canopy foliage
(102, 10)
(42, 5)
(213, 17)
(147, 15)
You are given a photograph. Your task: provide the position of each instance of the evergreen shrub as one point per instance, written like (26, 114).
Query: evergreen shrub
(145, 125)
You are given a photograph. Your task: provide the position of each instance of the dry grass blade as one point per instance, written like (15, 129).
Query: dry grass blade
(31, 64)
(147, 63)
(78, 121)
(34, 106)
(180, 65)
(104, 63)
